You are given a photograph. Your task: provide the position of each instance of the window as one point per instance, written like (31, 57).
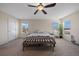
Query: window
(67, 24)
(55, 25)
(24, 27)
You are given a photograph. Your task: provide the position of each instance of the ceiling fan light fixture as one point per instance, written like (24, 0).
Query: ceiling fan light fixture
(40, 8)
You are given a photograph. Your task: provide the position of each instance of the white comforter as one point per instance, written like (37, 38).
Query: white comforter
(40, 34)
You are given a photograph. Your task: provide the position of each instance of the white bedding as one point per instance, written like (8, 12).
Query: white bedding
(40, 34)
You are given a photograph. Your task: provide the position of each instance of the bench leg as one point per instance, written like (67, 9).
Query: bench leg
(23, 48)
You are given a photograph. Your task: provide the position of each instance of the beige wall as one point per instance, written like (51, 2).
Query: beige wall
(8, 28)
(74, 17)
(41, 25)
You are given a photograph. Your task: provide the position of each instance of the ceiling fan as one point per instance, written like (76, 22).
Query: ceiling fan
(40, 7)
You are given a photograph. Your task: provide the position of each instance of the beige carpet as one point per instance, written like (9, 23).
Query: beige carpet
(63, 48)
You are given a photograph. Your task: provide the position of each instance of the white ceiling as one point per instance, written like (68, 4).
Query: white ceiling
(21, 11)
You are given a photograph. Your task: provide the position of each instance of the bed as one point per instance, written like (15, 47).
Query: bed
(39, 39)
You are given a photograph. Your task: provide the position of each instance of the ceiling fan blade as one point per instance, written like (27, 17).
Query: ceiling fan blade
(31, 6)
(35, 12)
(44, 11)
(50, 5)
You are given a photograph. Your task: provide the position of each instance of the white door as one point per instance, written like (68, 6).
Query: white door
(11, 28)
(3, 28)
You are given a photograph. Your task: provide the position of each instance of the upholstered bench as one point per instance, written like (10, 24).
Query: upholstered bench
(39, 40)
